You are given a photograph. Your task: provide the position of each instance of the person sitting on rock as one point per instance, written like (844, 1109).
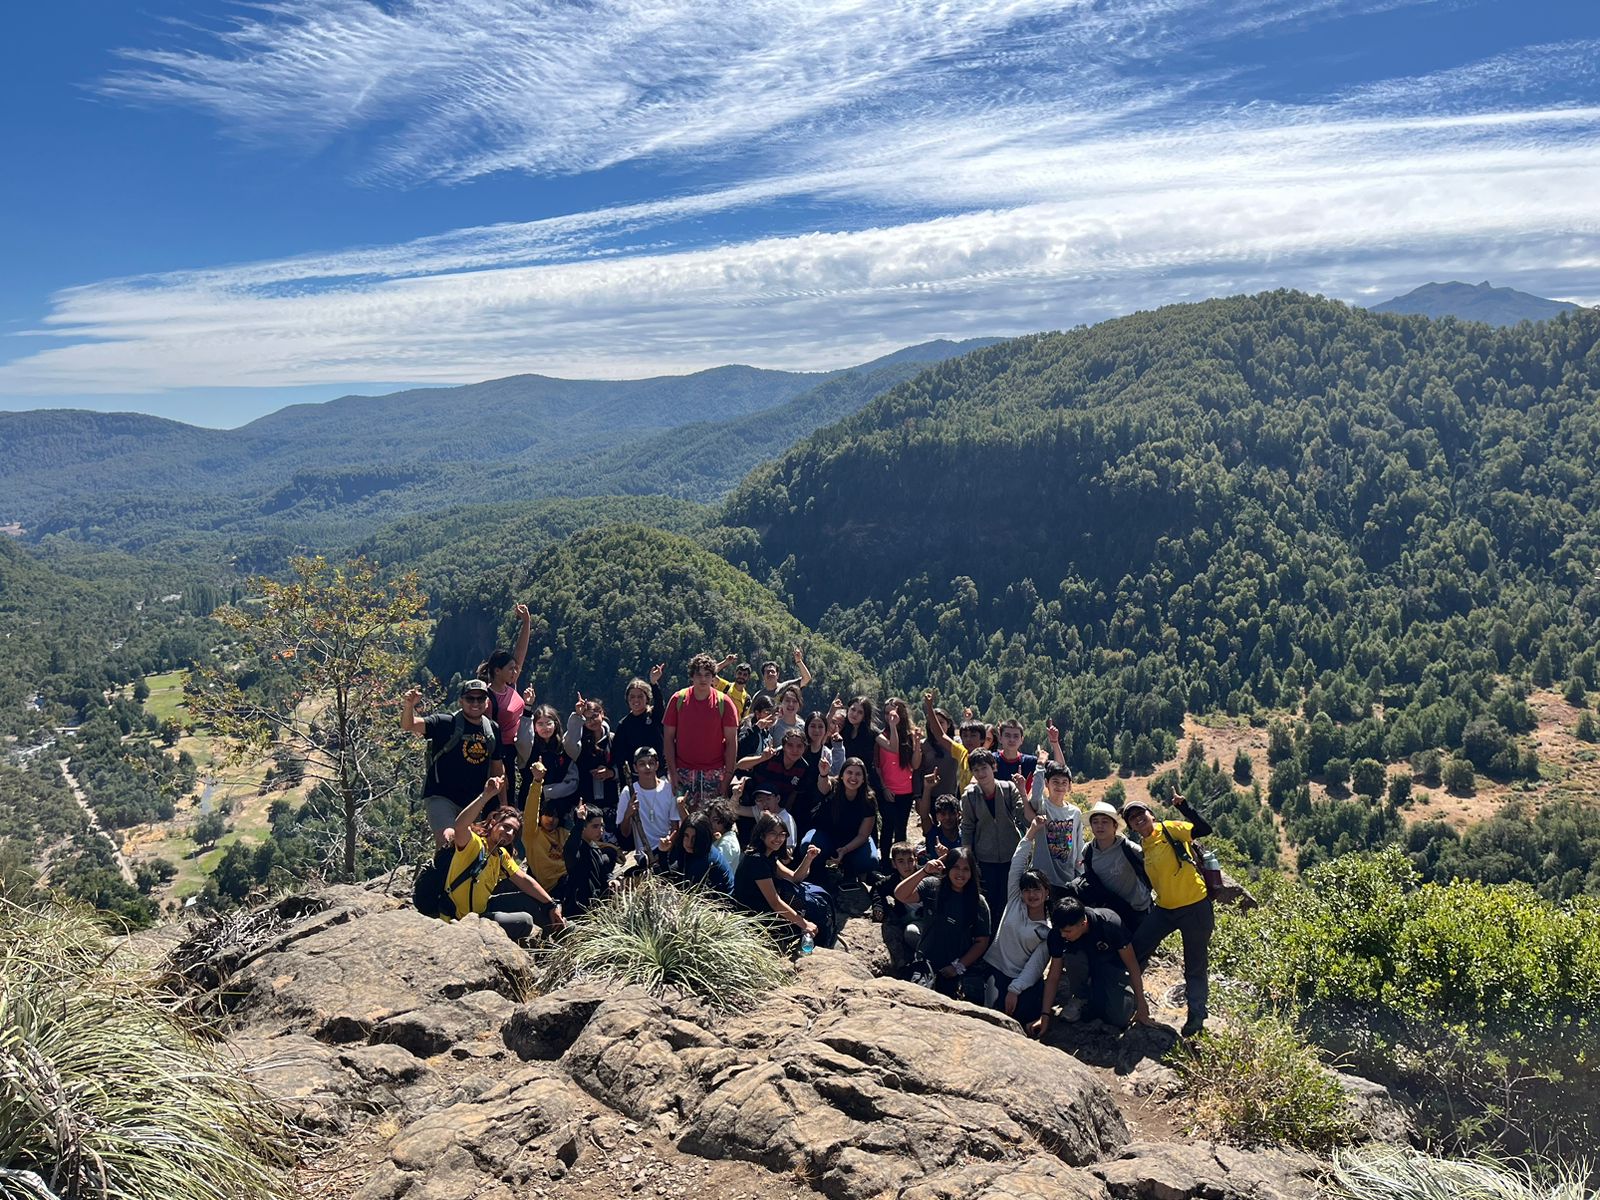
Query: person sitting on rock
(901, 934)
(764, 885)
(589, 859)
(954, 922)
(688, 855)
(1024, 926)
(1095, 942)
(482, 863)
(844, 820)
(1182, 900)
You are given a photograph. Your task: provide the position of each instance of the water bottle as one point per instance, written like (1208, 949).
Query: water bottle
(807, 942)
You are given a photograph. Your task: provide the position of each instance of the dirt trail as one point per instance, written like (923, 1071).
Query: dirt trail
(94, 822)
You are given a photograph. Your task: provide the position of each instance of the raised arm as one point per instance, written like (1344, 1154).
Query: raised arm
(409, 721)
(519, 653)
(1202, 827)
(941, 738)
(1034, 803)
(461, 831)
(1022, 858)
(906, 890)
(1054, 736)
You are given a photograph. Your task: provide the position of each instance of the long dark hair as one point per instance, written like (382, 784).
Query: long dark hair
(904, 749)
(487, 668)
(858, 739)
(968, 896)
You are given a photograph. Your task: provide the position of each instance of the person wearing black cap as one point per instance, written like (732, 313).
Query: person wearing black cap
(1182, 902)
(461, 754)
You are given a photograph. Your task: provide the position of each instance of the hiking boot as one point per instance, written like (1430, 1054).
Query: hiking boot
(1072, 1010)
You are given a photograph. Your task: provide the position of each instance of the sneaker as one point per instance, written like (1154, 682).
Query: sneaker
(1072, 1010)
(1193, 1027)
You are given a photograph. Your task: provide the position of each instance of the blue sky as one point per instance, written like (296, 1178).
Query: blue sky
(214, 209)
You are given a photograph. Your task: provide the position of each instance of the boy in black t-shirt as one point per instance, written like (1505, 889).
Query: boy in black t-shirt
(1115, 983)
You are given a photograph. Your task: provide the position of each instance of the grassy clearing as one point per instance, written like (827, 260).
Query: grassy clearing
(166, 697)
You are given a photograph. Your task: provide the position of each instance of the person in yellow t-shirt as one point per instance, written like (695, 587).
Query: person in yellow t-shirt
(1182, 903)
(543, 839)
(737, 688)
(482, 861)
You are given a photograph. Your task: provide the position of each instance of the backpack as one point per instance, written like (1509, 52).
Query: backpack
(1135, 860)
(817, 905)
(681, 698)
(430, 894)
(458, 734)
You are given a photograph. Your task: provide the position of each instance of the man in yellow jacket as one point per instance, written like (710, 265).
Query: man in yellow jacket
(1181, 904)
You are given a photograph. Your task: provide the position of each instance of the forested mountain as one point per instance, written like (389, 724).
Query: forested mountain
(1475, 302)
(319, 476)
(1258, 501)
(608, 603)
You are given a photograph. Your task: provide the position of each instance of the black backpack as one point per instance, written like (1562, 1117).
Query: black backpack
(430, 894)
(1135, 860)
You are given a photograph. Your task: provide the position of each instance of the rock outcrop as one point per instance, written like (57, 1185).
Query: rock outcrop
(358, 1013)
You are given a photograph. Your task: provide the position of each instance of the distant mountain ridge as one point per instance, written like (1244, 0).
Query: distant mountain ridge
(1475, 302)
(95, 475)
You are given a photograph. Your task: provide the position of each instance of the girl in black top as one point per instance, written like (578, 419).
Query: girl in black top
(641, 725)
(954, 922)
(763, 883)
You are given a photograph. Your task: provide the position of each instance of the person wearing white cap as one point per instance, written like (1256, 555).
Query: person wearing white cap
(1113, 869)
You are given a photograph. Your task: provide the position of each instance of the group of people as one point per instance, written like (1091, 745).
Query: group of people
(993, 889)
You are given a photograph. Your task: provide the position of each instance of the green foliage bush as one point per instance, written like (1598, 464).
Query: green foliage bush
(1479, 1000)
(670, 939)
(104, 1092)
(1251, 1080)
(1458, 777)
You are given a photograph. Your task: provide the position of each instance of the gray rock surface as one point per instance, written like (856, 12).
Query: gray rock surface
(338, 982)
(840, 1083)
(1205, 1171)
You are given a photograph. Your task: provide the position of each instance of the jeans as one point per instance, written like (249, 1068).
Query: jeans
(518, 913)
(863, 860)
(970, 986)
(1195, 922)
(1030, 1002)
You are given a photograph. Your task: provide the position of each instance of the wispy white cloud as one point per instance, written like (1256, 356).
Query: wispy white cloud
(916, 203)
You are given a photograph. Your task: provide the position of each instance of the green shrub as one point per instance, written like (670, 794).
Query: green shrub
(670, 939)
(104, 1092)
(1586, 732)
(1243, 768)
(1381, 1172)
(1367, 777)
(1252, 1080)
(1479, 1001)
(1459, 777)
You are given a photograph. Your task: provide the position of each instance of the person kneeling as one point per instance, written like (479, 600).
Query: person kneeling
(764, 884)
(482, 862)
(955, 923)
(1096, 942)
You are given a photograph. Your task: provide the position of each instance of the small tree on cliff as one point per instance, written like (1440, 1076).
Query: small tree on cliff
(316, 672)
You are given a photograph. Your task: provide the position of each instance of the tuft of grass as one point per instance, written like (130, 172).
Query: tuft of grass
(669, 939)
(105, 1092)
(1400, 1173)
(1252, 1081)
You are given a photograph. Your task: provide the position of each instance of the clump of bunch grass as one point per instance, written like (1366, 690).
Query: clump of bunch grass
(105, 1094)
(1400, 1173)
(669, 940)
(1252, 1081)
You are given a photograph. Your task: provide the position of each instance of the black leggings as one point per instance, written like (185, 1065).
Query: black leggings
(518, 913)
(896, 811)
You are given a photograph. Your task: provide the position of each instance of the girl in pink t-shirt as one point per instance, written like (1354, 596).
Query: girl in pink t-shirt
(899, 756)
(506, 705)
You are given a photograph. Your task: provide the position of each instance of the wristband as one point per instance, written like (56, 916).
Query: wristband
(961, 967)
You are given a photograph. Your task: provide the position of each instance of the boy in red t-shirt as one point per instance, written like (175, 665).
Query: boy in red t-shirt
(700, 736)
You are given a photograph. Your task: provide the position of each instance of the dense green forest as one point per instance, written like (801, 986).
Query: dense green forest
(1263, 502)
